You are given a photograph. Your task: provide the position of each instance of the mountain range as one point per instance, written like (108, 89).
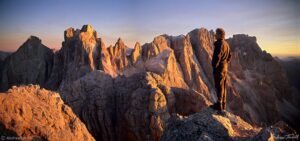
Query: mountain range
(122, 93)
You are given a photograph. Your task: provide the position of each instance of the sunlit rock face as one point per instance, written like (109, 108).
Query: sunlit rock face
(123, 93)
(160, 59)
(79, 55)
(31, 63)
(136, 53)
(32, 113)
(202, 42)
(118, 56)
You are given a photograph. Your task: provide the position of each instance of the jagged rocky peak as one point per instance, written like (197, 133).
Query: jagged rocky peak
(204, 35)
(245, 45)
(136, 53)
(243, 37)
(247, 51)
(88, 34)
(202, 43)
(33, 40)
(80, 54)
(159, 58)
(39, 114)
(87, 28)
(120, 45)
(157, 46)
(69, 33)
(120, 41)
(118, 55)
(31, 63)
(161, 42)
(117, 48)
(32, 43)
(84, 34)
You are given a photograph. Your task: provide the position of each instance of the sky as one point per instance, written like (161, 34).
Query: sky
(275, 23)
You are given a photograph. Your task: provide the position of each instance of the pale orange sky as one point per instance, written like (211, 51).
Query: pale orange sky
(275, 23)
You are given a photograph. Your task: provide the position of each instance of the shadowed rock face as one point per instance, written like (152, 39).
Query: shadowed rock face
(292, 67)
(260, 82)
(3, 55)
(30, 64)
(31, 113)
(129, 95)
(132, 108)
(127, 108)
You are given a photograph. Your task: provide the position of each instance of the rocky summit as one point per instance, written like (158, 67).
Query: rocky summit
(132, 93)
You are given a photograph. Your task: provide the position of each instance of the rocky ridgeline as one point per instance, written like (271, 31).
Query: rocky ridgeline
(130, 94)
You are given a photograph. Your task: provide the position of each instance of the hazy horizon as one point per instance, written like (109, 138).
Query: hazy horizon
(274, 23)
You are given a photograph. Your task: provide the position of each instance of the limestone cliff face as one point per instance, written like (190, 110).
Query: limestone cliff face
(132, 108)
(202, 42)
(78, 56)
(32, 113)
(261, 83)
(136, 53)
(128, 108)
(123, 94)
(31, 63)
(118, 56)
(163, 62)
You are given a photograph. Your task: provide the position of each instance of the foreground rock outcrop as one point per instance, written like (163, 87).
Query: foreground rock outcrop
(210, 125)
(31, 113)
